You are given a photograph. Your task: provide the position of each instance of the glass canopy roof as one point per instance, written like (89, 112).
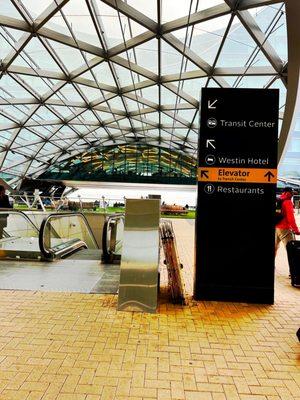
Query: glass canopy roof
(77, 75)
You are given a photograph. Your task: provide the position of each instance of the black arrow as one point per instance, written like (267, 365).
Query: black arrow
(269, 175)
(204, 173)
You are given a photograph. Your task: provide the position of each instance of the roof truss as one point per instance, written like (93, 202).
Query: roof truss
(80, 108)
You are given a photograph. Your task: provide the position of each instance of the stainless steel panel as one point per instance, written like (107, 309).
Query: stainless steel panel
(139, 264)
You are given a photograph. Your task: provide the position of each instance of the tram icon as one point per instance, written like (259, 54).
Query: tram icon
(212, 122)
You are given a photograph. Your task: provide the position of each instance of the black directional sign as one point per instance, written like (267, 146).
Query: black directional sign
(237, 178)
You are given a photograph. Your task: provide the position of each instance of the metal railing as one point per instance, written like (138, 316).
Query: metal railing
(79, 202)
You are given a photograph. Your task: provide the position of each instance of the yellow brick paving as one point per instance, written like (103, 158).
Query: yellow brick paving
(71, 346)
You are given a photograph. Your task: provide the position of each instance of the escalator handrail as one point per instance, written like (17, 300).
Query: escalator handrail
(105, 249)
(19, 212)
(73, 247)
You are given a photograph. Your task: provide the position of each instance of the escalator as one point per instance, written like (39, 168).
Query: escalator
(49, 237)
(62, 252)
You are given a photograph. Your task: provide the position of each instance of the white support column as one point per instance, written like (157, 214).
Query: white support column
(293, 88)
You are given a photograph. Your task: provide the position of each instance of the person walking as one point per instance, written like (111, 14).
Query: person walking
(4, 203)
(4, 200)
(286, 228)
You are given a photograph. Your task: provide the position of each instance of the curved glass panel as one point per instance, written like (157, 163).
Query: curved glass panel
(18, 236)
(63, 233)
(16, 225)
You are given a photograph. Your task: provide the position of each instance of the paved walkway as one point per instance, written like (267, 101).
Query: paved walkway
(71, 346)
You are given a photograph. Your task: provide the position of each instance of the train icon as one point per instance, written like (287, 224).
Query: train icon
(212, 122)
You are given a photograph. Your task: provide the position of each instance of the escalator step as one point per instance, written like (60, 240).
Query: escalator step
(86, 254)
